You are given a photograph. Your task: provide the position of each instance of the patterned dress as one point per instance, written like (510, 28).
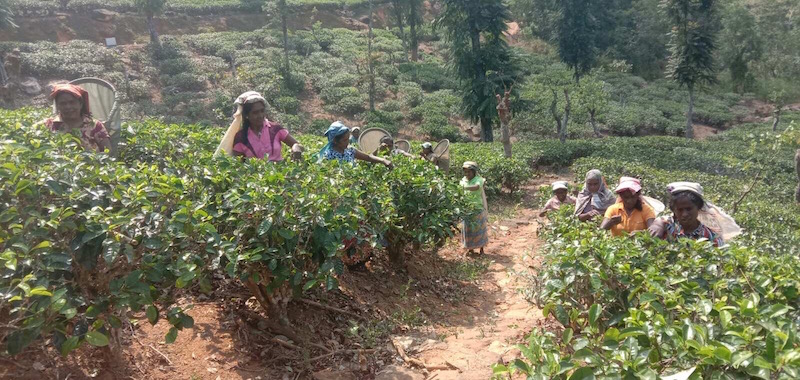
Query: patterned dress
(93, 134)
(675, 232)
(349, 155)
(475, 229)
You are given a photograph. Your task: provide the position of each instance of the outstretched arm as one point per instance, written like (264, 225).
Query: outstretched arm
(370, 158)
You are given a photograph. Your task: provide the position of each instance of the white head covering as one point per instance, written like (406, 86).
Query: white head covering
(426, 145)
(560, 185)
(226, 146)
(710, 215)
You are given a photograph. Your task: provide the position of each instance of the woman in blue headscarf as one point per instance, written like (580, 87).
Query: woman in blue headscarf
(337, 148)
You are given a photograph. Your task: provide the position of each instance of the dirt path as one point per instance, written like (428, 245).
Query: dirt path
(498, 321)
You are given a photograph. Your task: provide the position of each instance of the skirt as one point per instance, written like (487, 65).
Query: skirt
(475, 231)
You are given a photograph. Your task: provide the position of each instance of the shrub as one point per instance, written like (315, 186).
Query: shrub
(123, 234)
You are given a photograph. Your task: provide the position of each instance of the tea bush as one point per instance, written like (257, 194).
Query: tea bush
(86, 239)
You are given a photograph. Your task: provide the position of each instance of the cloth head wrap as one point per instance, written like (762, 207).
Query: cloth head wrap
(427, 145)
(604, 197)
(226, 146)
(709, 215)
(336, 129)
(75, 91)
(471, 165)
(560, 185)
(628, 183)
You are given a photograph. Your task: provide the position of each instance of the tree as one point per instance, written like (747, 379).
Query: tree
(479, 54)
(504, 114)
(548, 96)
(576, 33)
(691, 61)
(369, 60)
(283, 9)
(593, 99)
(6, 21)
(152, 8)
(740, 44)
(399, 13)
(414, 20)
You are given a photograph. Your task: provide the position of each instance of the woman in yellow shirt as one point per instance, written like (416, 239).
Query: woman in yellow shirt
(631, 213)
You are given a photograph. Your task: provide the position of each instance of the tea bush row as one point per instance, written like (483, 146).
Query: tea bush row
(87, 239)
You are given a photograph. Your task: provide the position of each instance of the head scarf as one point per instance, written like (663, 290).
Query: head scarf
(355, 129)
(75, 91)
(709, 215)
(560, 185)
(427, 145)
(226, 146)
(336, 129)
(603, 199)
(471, 165)
(628, 183)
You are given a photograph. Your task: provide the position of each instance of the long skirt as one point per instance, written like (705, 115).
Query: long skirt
(475, 231)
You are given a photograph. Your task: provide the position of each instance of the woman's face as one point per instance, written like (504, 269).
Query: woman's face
(561, 194)
(685, 212)
(68, 106)
(342, 141)
(427, 151)
(593, 185)
(257, 114)
(469, 173)
(629, 199)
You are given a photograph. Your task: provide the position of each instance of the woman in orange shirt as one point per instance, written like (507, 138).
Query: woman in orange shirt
(631, 213)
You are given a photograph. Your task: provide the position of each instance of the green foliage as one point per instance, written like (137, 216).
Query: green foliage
(740, 44)
(641, 307)
(86, 239)
(6, 15)
(71, 60)
(646, 308)
(482, 59)
(691, 41)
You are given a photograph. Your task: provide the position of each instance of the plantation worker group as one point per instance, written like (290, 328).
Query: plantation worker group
(626, 211)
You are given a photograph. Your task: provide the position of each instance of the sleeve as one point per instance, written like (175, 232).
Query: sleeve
(611, 211)
(100, 132)
(550, 205)
(282, 134)
(648, 212)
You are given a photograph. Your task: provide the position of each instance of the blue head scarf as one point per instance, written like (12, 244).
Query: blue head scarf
(335, 130)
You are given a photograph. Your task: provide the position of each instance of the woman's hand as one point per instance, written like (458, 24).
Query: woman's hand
(388, 164)
(588, 216)
(657, 228)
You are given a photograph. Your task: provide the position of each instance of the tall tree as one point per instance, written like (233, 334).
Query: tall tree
(740, 44)
(283, 9)
(400, 14)
(577, 36)
(593, 99)
(414, 19)
(370, 63)
(152, 8)
(6, 21)
(691, 61)
(480, 55)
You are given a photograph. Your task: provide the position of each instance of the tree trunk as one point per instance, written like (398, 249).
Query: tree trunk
(3, 73)
(506, 139)
(776, 118)
(690, 115)
(593, 121)
(285, 29)
(369, 62)
(554, 112)
(413, 11)
(480, 77)
(398, 15)
(797, 168)
(151, 25)
(567, 107)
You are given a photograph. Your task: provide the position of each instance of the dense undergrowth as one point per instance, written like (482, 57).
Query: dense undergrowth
(643, 308)
(86, 240)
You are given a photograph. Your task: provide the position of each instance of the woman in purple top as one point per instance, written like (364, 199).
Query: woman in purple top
(258, 137)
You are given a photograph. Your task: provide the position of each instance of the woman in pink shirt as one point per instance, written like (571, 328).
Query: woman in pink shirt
(259, 138)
